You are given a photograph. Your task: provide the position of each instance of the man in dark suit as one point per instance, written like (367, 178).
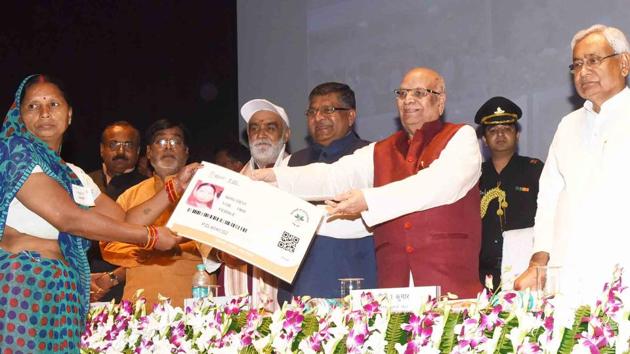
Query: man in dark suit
(120, 144)
(343, 247)
(120, 147)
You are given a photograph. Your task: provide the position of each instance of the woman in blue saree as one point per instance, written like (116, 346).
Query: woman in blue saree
(46, 204)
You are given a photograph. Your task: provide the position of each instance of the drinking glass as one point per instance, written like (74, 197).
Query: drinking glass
(213, 290)
(548, 281)
(348, 284)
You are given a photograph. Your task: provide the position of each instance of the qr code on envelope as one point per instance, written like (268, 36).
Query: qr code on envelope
(288, 242)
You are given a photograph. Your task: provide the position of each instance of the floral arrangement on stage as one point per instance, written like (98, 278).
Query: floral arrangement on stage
(496, 323)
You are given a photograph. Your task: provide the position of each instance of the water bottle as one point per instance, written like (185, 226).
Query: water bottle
(201, 283)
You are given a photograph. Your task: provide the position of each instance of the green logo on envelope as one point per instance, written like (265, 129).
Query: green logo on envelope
(300, 217)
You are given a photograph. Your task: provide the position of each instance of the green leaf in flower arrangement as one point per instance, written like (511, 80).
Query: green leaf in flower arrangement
(238, 321)
(394, 333)
(296, 341)
(167, 334)
(613, 324)
(449, 337)
(248, 350)
(137, 344)
(607, 350)
(309, 326)
(88, 351)
(189, 332)
(263, 329)
(341, 348)
(268, 349)
(504, 344)
(568, 336)
(535, 334)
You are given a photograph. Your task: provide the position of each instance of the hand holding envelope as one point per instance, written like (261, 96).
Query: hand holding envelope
(249, 220)
(264, 175)
(348, 203)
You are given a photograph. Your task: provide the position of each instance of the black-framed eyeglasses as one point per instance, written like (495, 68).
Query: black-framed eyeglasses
(115, 145)
(589, 61)
(326, 110)
(417, 92)
(172, 143)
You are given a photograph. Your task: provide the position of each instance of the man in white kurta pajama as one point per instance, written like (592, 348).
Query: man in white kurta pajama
(581, 223)
(268, 132)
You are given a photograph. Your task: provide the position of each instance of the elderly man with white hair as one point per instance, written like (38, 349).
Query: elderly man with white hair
(581, 223)
(418, 188)
(268, 133)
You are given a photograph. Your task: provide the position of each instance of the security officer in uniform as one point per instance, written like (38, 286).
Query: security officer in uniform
(508, 184)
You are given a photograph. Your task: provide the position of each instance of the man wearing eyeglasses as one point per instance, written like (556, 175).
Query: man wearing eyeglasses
(417, 188)
(581, 223)
(343, 247)
(166, 273)
(119, 148)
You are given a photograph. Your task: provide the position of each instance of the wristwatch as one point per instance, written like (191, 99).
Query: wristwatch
(113, 278)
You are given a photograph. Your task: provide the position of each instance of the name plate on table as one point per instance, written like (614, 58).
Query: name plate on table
(251, 220)
(401, 299)
(218, 300)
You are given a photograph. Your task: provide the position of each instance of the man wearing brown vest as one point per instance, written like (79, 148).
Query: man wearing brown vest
(417, 188)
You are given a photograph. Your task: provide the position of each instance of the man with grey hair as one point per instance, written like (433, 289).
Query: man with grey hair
(581, 222)
(342, 247)
(268, 133)
(418, 188)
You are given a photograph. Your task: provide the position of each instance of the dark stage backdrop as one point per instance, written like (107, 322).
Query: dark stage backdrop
(128, 60)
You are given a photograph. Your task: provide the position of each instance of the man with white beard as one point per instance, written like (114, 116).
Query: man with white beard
(268, 132)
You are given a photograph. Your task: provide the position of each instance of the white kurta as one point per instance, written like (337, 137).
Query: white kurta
(445, 181)
(583, 200)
